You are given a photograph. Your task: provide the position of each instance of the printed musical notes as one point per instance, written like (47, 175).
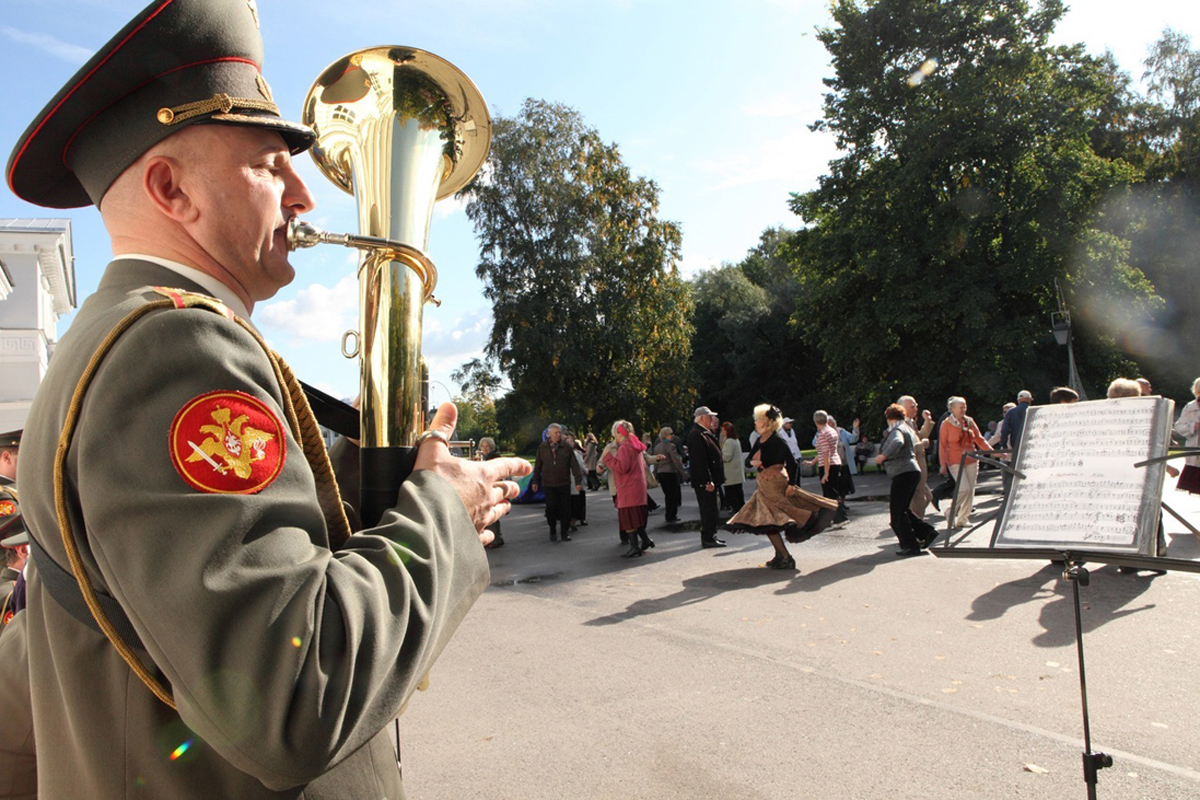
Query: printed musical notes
(1081, 489)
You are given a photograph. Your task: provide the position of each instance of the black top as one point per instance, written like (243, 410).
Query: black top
(704, 454)
(774, 451)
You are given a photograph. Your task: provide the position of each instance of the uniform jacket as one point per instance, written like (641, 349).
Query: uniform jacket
(286, 660)
(705, 462)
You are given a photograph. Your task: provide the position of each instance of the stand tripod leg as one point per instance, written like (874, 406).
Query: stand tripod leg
(1092, 762)
(1175, 514)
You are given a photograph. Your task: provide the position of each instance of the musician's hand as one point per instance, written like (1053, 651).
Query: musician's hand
(482, 486)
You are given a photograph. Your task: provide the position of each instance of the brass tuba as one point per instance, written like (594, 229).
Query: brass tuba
(399, 128)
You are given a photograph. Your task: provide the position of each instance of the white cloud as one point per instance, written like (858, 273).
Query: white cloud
(791, 159)
(317, 313)
(449, 207)
(462, 339)
(71, 53)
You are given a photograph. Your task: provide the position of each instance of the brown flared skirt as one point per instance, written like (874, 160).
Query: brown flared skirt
(778, 507)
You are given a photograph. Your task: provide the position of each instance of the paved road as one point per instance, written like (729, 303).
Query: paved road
(700, 674)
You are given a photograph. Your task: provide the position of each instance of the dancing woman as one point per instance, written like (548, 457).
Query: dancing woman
(629, 471)
(777, 508)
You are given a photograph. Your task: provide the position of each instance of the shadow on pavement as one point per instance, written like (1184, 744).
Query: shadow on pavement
(695, 590)
(1103, 601)
(839, 571)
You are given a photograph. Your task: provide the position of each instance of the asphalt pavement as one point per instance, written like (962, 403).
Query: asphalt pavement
(693, 673)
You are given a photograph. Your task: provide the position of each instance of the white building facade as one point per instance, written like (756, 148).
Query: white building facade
(37, 287)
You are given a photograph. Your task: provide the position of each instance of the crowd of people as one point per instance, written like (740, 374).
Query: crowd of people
(914, 448)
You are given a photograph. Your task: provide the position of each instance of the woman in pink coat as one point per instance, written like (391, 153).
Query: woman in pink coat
(629, 471)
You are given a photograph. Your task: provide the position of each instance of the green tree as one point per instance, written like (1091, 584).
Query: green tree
(747, 348)
(478, 385)
(591, 319)
(967, 185)
(1157, 219)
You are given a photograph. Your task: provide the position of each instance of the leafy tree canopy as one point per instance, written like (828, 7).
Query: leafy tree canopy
(591, 321)
(968, 184)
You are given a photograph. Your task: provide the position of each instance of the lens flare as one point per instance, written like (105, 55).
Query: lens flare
(922, 72)
(178, 751)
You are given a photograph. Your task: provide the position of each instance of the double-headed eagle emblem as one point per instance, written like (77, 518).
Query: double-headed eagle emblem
(234, 442)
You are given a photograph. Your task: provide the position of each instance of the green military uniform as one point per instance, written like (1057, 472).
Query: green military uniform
(18, 764)
(285, 660)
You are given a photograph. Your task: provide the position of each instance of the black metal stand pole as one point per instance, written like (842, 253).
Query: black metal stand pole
(1092, 762)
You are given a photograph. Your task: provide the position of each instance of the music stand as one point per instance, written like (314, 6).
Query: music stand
(1045, 517)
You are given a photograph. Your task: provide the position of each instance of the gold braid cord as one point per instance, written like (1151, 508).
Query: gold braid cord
(300, 419)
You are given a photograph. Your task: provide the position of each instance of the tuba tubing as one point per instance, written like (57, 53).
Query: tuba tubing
(399, 128)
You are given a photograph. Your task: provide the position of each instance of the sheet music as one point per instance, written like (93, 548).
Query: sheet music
(1081, 490)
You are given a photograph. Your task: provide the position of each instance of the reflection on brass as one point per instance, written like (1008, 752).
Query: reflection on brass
(399, 128)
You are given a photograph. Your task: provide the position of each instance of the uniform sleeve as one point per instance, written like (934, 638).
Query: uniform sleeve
(281, 655)
(18, 764)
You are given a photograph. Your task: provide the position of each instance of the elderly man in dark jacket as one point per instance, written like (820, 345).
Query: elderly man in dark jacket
(707, 471)
(553, 470)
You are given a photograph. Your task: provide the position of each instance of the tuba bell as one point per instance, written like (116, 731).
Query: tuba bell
(399, 129)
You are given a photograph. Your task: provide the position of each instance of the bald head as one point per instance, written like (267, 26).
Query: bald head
(216, 198)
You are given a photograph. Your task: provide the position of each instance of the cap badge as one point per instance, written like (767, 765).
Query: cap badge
(227, 442)
(264, 88)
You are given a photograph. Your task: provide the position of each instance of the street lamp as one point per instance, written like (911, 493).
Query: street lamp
(1060, 326)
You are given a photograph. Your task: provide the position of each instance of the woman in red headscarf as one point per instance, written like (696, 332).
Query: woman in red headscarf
(629, 470)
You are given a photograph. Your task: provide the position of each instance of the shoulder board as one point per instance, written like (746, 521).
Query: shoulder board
(183, 299)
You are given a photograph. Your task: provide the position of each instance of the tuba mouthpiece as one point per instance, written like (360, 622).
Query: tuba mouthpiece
(302, 234)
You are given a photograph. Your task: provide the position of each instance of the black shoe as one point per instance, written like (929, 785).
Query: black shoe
(574, 528)
(634, 550)
(584, 523)
(927, 543)
(497, 542)
(782, 563)
(553, 536)
(707, 543)
(936, 506)
(647, 542)
(624, 537)
(566, 538)
(671, 519)
(909, 552)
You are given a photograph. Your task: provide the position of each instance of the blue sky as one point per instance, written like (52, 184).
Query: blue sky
(710, 99)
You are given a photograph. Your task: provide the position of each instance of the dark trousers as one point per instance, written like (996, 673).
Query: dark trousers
(593, 480)
(558, 508)
(736, 496)
(830, 489)
(579, 507)
(709, 514)
(911, 530)
(669, 481)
